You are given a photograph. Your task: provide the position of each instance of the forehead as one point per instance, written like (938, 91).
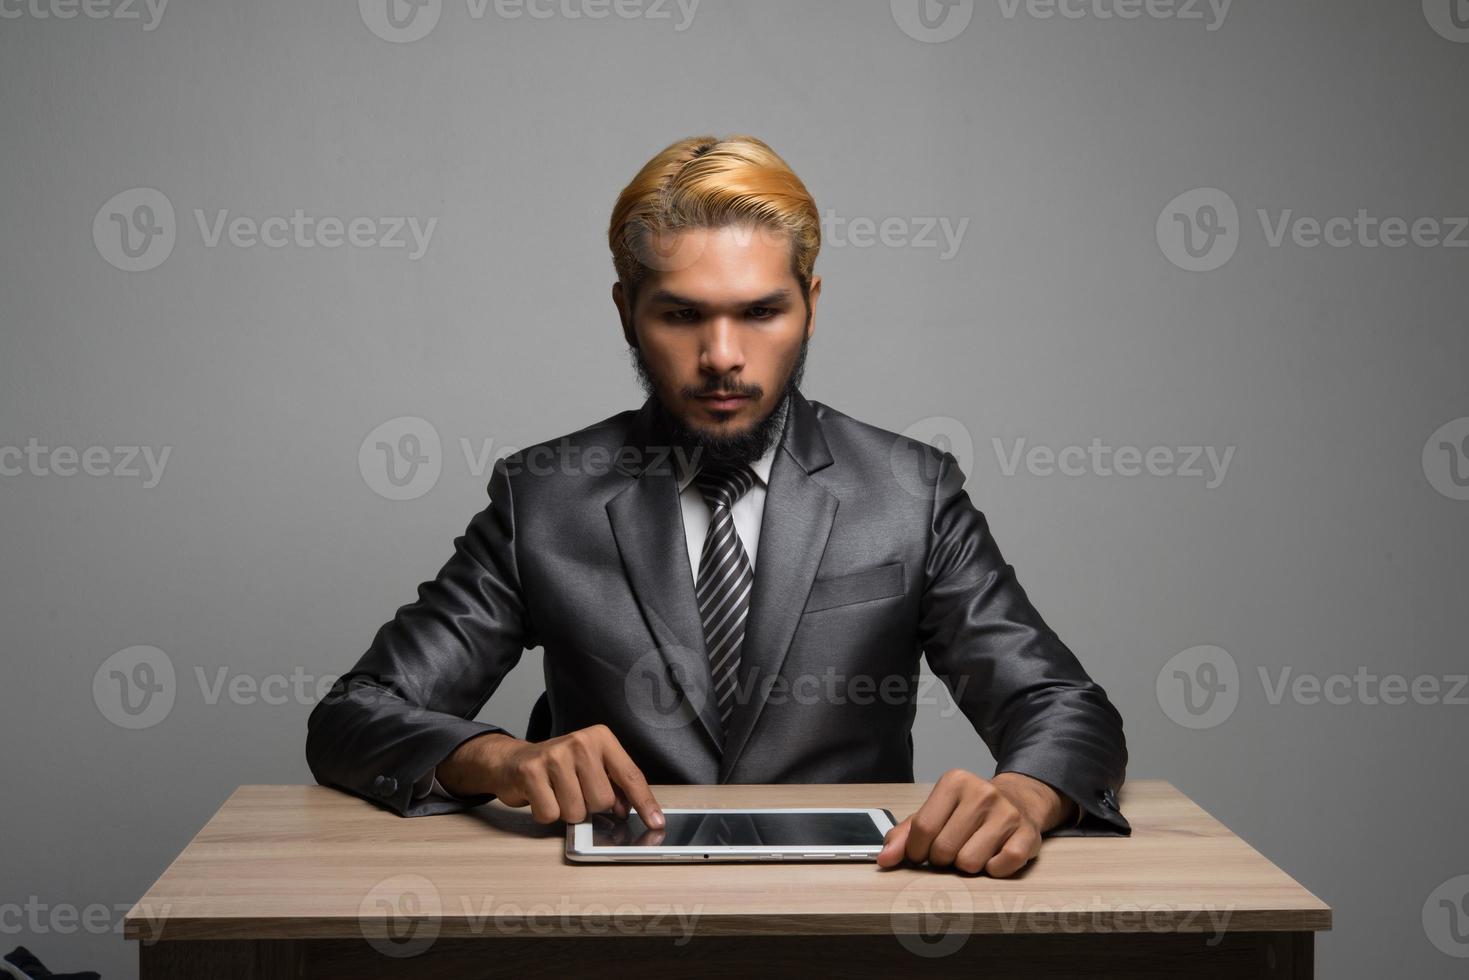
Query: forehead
(730, 264)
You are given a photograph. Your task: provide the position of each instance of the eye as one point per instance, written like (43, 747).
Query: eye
(687, 315)
(763, 313)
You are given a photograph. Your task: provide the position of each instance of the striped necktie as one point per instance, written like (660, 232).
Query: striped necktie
(725, 580)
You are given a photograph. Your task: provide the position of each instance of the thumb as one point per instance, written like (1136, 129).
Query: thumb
(894, 843)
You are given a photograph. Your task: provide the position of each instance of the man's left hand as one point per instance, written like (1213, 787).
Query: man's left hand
(976, 824)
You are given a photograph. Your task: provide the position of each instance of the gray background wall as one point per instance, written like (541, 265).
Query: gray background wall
(1333, 545)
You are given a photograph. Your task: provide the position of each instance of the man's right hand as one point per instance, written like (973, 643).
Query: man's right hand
(565, 778)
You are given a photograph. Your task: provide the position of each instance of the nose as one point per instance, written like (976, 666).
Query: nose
(720, 352)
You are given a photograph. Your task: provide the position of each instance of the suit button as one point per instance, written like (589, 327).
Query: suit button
(385, 785)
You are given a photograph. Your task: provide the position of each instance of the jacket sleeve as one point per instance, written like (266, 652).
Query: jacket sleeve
(412, 697)
(1026, 694)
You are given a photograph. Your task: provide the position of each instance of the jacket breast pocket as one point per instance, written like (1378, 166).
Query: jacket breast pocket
(844, 590)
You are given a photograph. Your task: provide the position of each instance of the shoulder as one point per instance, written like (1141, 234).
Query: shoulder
(571, 458)
(879, 453)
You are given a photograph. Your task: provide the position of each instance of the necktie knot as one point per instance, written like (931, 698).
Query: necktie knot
(722, 486)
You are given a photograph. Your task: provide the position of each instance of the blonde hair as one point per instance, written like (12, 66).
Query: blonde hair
(705, 182)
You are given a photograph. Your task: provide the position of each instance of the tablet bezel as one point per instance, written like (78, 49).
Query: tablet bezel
(579, 845)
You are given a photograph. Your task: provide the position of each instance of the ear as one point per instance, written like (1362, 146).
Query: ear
(815, 293)
(624, 314)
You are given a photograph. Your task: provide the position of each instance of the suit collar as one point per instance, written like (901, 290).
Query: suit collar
(801, 439)
(760, 467)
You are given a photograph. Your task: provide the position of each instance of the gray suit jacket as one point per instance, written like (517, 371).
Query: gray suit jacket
(871, 555)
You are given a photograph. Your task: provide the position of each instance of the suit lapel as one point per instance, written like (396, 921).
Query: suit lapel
(647, 524)
(798, 517)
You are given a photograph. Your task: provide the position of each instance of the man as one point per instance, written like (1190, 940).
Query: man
(691, 566)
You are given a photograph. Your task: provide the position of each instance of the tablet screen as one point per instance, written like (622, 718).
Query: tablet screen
(736, 828)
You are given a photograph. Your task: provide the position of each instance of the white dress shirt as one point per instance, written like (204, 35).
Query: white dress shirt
(747, 513)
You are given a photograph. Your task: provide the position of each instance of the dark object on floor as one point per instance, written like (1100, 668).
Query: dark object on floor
(25, 961)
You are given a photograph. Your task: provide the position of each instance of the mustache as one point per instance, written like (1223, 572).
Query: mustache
(718, 386)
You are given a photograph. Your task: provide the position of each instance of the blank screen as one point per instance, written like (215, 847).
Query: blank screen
(735, 828)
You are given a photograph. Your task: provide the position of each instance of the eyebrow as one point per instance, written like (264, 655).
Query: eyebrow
(664, 296)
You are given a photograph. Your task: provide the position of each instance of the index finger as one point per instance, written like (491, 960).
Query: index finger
(626, 775)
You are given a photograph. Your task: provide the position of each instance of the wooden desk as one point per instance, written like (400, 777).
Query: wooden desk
(303, 881)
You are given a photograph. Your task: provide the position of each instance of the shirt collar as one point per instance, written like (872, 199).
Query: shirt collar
(760, 467)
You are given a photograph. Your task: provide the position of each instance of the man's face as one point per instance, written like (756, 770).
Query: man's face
(719, 331)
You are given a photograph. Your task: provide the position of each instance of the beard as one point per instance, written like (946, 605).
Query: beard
(735, 449)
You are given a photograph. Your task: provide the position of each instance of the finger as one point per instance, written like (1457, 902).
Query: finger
(620, 806)
(621, 769)
(968, 817)
(893, 844)
(536, 787)
(1000, 823)
(596, 790)
(929, 820)
(1016, 853)
(562, 772)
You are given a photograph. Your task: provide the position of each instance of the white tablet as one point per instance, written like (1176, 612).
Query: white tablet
(778, 834)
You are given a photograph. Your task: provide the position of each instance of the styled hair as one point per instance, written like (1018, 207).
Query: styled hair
(706, 182)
